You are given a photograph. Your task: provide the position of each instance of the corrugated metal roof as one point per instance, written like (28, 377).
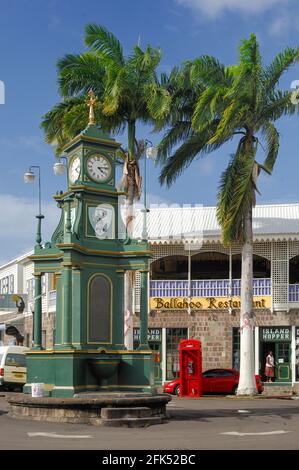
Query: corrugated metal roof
(192, 224)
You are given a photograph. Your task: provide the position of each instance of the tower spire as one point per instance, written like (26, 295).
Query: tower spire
(91, 102)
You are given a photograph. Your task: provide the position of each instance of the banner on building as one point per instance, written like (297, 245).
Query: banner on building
(205, 303)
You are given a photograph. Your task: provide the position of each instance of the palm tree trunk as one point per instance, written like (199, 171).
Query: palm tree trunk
(247, 384)
(128, 291)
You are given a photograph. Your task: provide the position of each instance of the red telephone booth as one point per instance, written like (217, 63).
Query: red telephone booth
(190, 368)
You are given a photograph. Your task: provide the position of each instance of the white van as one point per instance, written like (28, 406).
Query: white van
(13, 366)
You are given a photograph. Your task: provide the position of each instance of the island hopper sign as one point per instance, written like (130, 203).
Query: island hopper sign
(206, 303)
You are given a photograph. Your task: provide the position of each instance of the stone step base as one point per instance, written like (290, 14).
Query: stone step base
(130, 422)
(278, 390)
(122, 413)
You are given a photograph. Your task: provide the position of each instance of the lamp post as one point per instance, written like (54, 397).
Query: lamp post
(59, 168)
(150, 153)
(29, 177)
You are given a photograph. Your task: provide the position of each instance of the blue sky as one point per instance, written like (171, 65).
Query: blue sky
(35, 34)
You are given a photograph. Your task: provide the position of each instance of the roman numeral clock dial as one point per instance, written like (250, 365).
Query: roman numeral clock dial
(98, 168)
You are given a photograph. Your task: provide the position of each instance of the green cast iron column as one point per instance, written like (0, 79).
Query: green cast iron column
(37, 311)
(118, 325)
(78, 320)
(67, 306)
(59, 308)
(144, 310)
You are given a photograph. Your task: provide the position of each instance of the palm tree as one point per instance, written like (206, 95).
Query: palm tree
(237, 101)
(126, 88)
(127, 91)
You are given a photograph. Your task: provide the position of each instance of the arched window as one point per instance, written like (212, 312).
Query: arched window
(210, 265)
(294, 270)
(99, 309)
(170, 267)
(261, 267)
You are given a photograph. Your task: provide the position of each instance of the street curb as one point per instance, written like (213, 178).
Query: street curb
(232, 397)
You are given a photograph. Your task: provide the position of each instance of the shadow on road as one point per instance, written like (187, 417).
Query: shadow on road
(205, 415)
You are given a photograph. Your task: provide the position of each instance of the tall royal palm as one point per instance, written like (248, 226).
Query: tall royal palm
(127, 92)
(237, 102)
(126, 88)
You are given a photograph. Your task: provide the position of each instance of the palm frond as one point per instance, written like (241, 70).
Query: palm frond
(209, 71)
(271, 137)
(179, 132)
(77, 74)
(196, 144)
(99, 39)
(236, 194)
(281, 63)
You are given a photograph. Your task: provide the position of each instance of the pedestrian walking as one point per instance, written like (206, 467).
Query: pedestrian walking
(269, 369)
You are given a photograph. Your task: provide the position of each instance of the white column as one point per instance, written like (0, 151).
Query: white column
(293, 354)
(230, 277)
(163, 365)
(256, 349)
(189, 280)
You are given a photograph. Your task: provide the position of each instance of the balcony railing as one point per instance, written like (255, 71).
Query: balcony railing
(207, 288)
(293, 292)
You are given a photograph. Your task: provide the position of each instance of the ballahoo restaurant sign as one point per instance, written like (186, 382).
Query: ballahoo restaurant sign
(205, 303)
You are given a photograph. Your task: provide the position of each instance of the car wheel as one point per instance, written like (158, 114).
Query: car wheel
(177, 390)
(234, 390)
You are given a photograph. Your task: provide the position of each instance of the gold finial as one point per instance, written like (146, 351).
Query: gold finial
(91, 102)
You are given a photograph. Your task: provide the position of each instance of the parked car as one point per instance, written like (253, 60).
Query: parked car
(215, 381)
(13, 366)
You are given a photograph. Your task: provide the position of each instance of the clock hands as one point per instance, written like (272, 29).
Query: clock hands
(102, 169)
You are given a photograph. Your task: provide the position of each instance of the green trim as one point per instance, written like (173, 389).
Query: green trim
(89, 351)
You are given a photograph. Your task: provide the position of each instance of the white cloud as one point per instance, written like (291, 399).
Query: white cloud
(214, 8)
(279, 26)
(18, 224)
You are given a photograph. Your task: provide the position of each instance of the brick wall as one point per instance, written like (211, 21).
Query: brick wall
(214, 329)
(48, 325)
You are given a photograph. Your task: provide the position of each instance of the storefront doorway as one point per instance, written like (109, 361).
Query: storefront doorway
(277, 340)
(173, 338)
(155, 343)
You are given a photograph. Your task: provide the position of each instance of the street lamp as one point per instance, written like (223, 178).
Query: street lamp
(29, 177)
(151, 154)
(59, 167)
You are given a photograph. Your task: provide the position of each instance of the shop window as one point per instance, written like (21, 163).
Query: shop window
(173, 338)
(7, 285)
(236, 349)
(297, 353)
(44, 339)
(30, 288)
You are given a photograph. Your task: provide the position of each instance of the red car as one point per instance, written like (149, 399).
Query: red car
(215, 381)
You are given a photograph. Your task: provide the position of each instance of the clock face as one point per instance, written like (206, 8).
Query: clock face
(98, 168)
(75, 168)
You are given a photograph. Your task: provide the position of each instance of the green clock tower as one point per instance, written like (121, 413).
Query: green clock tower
(89, 254)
